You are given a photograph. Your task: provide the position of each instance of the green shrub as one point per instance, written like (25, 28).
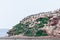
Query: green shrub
(42, 21)
(41, 33)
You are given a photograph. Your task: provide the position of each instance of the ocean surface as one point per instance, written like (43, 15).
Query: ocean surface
(3, 32)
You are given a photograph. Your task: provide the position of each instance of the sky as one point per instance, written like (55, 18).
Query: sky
(12, 11)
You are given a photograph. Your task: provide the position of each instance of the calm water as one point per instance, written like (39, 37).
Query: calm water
(3, 32)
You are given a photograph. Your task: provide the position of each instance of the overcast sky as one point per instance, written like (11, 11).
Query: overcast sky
(12, 11)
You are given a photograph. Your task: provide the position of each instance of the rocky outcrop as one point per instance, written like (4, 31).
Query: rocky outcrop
(41, 24)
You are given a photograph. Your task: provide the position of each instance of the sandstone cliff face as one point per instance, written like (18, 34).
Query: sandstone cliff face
(42, 24)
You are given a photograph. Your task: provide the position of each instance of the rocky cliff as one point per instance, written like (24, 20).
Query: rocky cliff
(41, 24)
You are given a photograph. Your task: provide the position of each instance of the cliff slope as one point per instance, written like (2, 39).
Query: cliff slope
(41, 24)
